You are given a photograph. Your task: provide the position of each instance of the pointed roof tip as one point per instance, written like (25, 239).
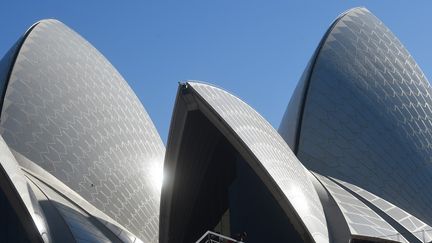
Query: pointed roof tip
(195, 81)
(39, 22)
(363, 8)
(340, 17)
(45, 21)
(349, 11)
(48, 20)
(184, 84)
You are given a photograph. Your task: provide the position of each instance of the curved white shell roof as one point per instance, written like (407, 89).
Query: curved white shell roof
(285, 172)
(367, 116)
(67, 109)
(361, 220)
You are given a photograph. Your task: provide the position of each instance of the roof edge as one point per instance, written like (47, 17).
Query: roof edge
(310, 69)
(295, 217)
(19, 43)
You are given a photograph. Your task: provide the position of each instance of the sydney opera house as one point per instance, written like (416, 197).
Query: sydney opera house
(350, 162)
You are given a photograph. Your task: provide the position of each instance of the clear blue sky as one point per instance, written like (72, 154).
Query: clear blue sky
(255, 49)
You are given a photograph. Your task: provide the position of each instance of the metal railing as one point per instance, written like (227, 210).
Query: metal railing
(212, 237)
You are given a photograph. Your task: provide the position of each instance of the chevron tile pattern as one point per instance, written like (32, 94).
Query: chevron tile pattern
(420, 230)
(361, 220)
(273, 153)
(367, 117)
(68, 110)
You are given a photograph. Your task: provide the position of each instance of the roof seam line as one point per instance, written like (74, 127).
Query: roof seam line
(308, 80)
